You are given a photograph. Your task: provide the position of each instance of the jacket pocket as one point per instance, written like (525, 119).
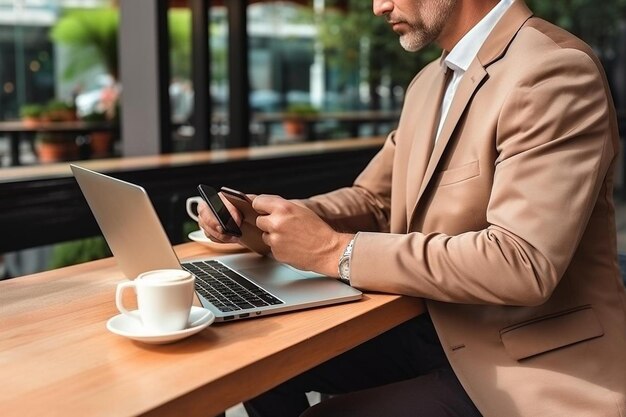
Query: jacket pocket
(458, 174)
(551, 332)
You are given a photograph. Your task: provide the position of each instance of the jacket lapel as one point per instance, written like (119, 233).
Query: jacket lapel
(469, 83)
(493, 49)
(424, 137)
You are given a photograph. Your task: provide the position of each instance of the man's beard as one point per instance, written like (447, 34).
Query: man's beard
(416, 39)
(418, 36)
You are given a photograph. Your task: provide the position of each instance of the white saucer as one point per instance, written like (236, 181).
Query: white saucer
(199, 236)
(125, 326)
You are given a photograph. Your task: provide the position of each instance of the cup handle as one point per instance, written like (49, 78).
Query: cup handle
(119, 293)
(189, 206)
(200, 320)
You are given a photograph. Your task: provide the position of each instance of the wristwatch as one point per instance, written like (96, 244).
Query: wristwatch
(344, 263)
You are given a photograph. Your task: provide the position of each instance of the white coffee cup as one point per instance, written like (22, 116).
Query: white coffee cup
(191, 204)
(164, 299)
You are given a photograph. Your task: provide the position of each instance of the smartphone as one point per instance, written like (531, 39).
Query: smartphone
(252, 236)
(229, 192)
(210, 196)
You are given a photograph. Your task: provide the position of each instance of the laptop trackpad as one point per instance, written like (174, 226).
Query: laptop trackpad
(264, 268)
(294, 286)
(276, 273)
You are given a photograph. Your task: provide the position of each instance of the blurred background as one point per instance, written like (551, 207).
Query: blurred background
(80, 78)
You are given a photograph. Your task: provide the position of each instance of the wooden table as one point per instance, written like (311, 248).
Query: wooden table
(57, 358)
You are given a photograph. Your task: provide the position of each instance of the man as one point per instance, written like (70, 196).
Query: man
(492, 201)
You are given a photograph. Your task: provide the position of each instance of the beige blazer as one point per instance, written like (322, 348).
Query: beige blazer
(507, 226)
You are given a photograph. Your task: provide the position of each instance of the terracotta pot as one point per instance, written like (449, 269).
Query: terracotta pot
(30, 121)
(100, 143)
(56, 152)
(293, 127)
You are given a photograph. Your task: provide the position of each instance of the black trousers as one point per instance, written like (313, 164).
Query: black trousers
(403, 372)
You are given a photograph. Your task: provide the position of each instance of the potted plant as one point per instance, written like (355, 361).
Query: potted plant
(31, 114)
(294, 123)
(59, 111)
(56, 147)
(100, 142)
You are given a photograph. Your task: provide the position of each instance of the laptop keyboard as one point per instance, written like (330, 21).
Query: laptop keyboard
(226, 289)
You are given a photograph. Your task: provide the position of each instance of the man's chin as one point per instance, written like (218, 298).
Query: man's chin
(410, 44)
(414, 41)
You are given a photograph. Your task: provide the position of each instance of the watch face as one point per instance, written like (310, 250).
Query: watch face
(344, 268)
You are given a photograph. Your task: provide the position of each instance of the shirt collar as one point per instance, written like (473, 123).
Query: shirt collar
(464, 52)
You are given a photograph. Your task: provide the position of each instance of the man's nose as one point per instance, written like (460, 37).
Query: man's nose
(382, 7)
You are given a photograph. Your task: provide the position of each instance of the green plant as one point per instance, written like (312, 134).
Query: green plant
(96, 116)
(78, 251)
(179, 21)
(301, 109)
(31, 110)
(92, 33)
(188, 227)
(58, 111)
(54, 105)
(294, 123)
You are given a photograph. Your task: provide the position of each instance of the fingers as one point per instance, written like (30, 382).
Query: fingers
(211, 226)
(277, 217)
(296, 235)
(266, 203)
(235, 214)
(271, 211)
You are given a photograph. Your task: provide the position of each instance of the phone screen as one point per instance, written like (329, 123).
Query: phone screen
(219, 210)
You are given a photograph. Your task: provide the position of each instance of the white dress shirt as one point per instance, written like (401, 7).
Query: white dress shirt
(464, 52)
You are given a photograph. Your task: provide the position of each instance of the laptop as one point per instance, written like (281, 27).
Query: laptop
(233, 287)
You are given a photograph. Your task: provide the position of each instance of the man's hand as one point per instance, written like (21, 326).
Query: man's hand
(298, 236)
(211, 227)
